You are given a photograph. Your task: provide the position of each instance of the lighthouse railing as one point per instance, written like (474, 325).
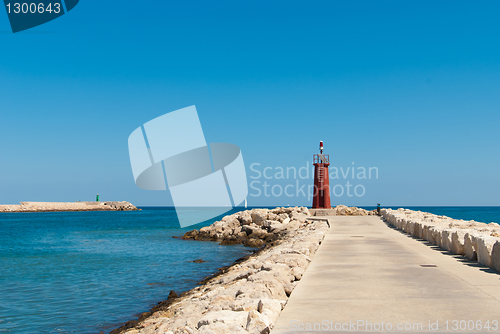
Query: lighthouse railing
(321, 158)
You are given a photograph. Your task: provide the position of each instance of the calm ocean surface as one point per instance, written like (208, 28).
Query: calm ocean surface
(87, 272)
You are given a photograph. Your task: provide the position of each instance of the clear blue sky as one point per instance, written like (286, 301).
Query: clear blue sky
(409, 87)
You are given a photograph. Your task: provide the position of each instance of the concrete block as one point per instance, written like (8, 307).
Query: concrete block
(470, 246)
(458, 242)
(495, 256)
(446, 239)
(484, 249)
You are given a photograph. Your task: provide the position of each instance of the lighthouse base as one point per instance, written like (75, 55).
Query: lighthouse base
(323, 212)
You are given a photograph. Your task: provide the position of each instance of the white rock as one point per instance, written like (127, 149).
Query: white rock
(215, 328)
(300, 217)
(244, 304)
(253, 264)
(270, 288)
(495, 256)
(435, 235)
(245, 218)
(277, 227)
(342, 210)
(282, 276)
(291, 260)
(272, 216)
(458, 242)
(258, 216)
(297, 273)
(484, 248)
(257, 323)
(425, 232)
(446, 239)
(184, 330)
(470, 246)
(268, 223)
(225, 316)
(163, 329)
(271, 308)
(305, 211)
(292, 226)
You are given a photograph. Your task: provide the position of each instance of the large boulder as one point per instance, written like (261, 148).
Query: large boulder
(305, 211)
(297, 272)
(342, 210)
(233, 240)
(253, 242)
(230, 223)
(291, 259)
(239, 319)
(446, 239)
(495, 256)
(435, 235)
(292, 226)
(458, 242)
(262, 289)
(272, 216)
(277, 227)
(300, 217)
(484, 249)
(359, 212)
(425, 232)
(190, 235)
(259, 216)
(470, 246)
(274, 271)
(282, 217)
(271, 308)
(257, 323)
(245, 218)
(267, 223)
(250, 229)
(244, 304)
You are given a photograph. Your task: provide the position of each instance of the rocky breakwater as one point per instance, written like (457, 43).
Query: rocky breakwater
(257, 227)
(342, 210)
(248, 296)
(68, 206)
(252, 228)
(474, 240)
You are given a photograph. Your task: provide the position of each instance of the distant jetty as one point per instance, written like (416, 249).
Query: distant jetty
(68, 206)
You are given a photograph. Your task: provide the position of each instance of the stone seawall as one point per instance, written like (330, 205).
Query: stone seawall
(474, 240)
(248, 296)
(68, 206)
(258, 227)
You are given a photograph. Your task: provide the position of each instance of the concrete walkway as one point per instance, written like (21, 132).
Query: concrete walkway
(367, 275)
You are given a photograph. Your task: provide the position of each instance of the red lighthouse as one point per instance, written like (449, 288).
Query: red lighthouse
(321, 195)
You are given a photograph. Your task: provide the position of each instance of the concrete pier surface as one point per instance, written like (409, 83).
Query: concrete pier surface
(369, 277)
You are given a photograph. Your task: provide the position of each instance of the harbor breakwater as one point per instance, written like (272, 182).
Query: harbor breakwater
(247, 296)
(475, 240)
(68, 206)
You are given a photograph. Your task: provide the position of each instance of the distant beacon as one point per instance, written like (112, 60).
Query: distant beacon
(321, 195)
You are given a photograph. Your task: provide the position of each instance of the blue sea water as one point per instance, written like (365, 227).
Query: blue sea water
(87, 272)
